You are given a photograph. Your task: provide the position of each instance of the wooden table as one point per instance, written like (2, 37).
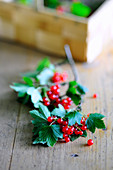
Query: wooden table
(16, 150)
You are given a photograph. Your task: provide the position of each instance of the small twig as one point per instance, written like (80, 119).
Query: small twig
(71, 61)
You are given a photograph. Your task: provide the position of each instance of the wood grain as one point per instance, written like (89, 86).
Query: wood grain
(16, 150)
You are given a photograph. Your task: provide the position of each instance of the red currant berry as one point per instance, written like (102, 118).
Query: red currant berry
(65, 135)
(67, 139)
(76, 132)
(88, 114)
(58, 100)
(52, 97)
(82, 122)
(65, 123)
(66, 107)
(53, 88)
(49, 93)
(57, 91)
(50, 119)
(83, 128)
(63, 76)
(60, 120)
(65, 129)
(45, 99)
(81, 133)
(54, 117)
(47, 103)
(95, 95)
(70, 131)
(90, 142)
(64, 101)
(58, 86)
(68, 99)
(72, 128)
(70, 102)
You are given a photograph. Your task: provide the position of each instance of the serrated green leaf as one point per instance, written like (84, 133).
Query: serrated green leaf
(81, 89)
(74, 97)
(43, 64)
(43, 110)
(35, 113)
(35, 95)
(20, 87)
(74, 117)
(45, 76)
(96, 116)
(73, 83)
(21, 94)
(99, 124)
(84, 134)
(46, 135)
(74, 137)
(57, 131)
(94, 121)
(28, 81)
(60, 111)
(32, 74)
(90, 125)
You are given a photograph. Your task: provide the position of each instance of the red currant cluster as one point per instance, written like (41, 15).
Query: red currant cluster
(66, 129)
(59, 77)
(54, 98)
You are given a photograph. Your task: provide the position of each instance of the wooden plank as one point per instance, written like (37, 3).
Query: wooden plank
(17, 152)
(9, 107)
(99, 156)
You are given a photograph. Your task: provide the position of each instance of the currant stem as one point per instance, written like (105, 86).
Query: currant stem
(71, 61)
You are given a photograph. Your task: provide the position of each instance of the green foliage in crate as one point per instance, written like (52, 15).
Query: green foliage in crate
(79, 9)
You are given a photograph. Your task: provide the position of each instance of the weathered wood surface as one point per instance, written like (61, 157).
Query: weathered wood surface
(16, 150)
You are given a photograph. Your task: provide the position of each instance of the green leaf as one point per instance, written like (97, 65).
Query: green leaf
(19, 87)
(45, 76)
(90, 125)
(57, 131)
(28, 81)
(79, 9)
(84, 134)
(32, 74)
(96, 116)
(74, 97)
(73, 83)
(46, 135)
(81, 89)
(35, 95)
(94, 121)
(42, 64)
(43, 110)
(74, 137)
(59, 111)
(74, 117)
(35, 113)
(99, 124)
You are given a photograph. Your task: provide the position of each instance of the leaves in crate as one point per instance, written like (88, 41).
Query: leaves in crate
(94, 121)
(79, 9)
(28, 81)
(45, 76)
(60, 111)
(74, 117)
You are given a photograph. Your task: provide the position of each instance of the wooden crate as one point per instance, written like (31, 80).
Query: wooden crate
(49, 31)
